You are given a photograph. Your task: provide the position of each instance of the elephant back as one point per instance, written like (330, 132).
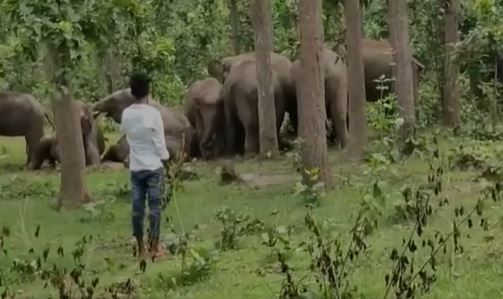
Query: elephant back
(20, 113)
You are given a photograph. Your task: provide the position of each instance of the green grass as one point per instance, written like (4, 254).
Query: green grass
(476, 273)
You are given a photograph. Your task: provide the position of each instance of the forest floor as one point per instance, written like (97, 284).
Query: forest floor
(31, 226)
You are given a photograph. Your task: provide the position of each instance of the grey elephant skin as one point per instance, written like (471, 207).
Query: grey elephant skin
(241, 108)
(281, 65)
(93, 141)
(377, 56)
(204, 108)
(175, 123)
(22, 115)
(336, 92)
(119, 152)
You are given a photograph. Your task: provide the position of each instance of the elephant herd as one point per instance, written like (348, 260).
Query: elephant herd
(220, 113)
(223, 109)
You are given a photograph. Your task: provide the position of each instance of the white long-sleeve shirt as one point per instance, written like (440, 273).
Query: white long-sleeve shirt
(144, 131)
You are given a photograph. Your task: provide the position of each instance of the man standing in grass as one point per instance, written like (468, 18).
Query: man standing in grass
(144, 131)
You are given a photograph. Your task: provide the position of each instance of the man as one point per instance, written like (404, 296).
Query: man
(144, 131)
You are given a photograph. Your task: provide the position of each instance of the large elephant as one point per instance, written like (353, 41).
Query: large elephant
(175, 123)
(204, 108)
(220, 69)
(336, 92)
(92, 138)
(22, 115)
(241, 108)
(377, 56)
(119, 152)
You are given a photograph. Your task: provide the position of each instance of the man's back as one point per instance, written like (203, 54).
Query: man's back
(144, 131)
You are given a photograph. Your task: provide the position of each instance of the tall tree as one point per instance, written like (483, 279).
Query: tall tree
(112, 70)
(234, 18)
(399, 36)
(450, 98)
(262, 21)
(357, 116)
(55, 29)
(311, 92)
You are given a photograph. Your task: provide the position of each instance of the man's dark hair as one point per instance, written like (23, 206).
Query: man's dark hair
(140, 85)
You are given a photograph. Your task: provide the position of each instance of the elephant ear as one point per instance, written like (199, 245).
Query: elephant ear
(216, 69)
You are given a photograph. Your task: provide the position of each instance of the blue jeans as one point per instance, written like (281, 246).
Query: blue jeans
(147, 182)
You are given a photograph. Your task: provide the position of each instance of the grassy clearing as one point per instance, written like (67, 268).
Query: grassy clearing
(248, 272)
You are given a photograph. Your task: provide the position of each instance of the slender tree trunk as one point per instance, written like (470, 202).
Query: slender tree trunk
(262, 20)
(69, 135)
(357, 116)
(311, 92)
(450, 99)
(399, 33)
(234, 16)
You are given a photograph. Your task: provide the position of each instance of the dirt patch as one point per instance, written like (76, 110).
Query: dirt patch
(261, 180)
(108, 166)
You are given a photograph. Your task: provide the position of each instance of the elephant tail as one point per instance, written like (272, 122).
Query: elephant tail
(49, 120)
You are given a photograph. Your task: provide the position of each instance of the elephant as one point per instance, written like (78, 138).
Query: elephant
(336, 92)
(240, 94)
(378, 60)
(93, 141)
(204, 108)
(22, 115)
(92, 136)
(46, 149)
(175, 122)
(119, 152)
(220, 69)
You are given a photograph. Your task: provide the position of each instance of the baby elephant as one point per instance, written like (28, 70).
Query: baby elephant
(46, 150)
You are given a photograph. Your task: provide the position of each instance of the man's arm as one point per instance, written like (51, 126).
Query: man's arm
(159, 140)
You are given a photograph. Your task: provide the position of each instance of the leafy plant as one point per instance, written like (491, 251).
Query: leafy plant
(311, 189)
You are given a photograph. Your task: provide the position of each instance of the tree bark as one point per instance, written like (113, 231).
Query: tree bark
(399, 37)
(262, 21)
(112, 69)
(357, 117)
(73, 190)
(450, 100)
(311, 92)
(234, 18)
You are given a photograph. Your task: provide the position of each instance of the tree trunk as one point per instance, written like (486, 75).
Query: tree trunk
(73, 191)
(450, 99)
(69, 135)
(262, 21)
(112, 69)
(399, 36)
(311, 92)
(234, 16)
(357, 116)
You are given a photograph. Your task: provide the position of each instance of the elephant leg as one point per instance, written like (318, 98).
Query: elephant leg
(251, 139)
(92, 154)
(41, 154)
(337, 96)
(110, 154)
(231, 131)
(32, 139)
(279, 106)
(91, 150)
(248, 116)
(201, 128)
